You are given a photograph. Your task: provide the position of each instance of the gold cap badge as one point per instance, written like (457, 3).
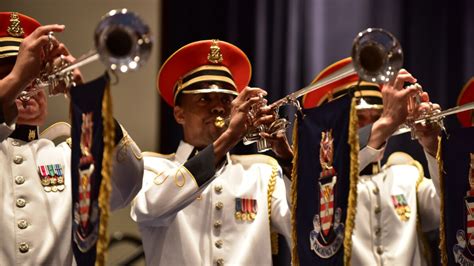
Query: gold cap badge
(215, 55)
(15, 28)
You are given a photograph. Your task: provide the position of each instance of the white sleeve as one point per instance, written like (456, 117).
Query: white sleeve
(127, 172)
(368, 155)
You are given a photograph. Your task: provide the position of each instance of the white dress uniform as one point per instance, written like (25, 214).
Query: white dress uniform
(36, 225)
(388, 203)
(184, 223)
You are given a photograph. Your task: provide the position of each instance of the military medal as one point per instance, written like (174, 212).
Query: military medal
(52, 178)
(245, 209)
(401, 207)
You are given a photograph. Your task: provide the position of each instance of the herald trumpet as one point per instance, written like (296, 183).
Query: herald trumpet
(377, 57)
(122, 42)
(436, 117)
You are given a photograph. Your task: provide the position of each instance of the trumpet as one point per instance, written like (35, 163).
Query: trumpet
(430, 118)
(377, 57)
(122, 42)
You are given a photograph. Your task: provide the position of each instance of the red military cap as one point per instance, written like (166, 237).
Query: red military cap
(205, 61)
(14, 27)
(368, 93)
(466, 96)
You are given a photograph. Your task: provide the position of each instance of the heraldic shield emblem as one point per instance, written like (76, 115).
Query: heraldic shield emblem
(328, 233)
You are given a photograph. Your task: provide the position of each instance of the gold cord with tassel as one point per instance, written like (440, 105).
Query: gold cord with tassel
(353, 141)
(105, 187)
(442, 225)
(294, 184)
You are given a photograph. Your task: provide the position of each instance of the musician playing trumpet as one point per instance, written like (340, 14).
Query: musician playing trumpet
(36, 211)
(390, 197)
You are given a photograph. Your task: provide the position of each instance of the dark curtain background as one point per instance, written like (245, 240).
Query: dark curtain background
(289, 42)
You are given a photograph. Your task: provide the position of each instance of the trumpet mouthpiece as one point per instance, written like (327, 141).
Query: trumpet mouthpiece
(219, 122)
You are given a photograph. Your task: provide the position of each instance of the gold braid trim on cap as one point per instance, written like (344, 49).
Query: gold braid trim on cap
(423, 242)
(294, 184)
(442, 225)
(105, 186)
(353, 141)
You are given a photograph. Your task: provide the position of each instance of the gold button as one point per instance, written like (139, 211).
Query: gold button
(379, 250)
(18, 159)
(377, 209)
(219, 243)
(217, 224)
(220, 262)
(218, 188)
(378, 230)
(22, 224)
(375, 190)
(19, 179)
(20, 203)
(219, 205)
(23, 247)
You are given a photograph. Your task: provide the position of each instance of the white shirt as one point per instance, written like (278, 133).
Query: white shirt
(182, 223)
(36, 225)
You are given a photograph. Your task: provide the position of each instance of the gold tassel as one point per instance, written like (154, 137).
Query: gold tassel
(425, 248)
(353, 141)
(105, 187)
(294, 182)
(442, 226)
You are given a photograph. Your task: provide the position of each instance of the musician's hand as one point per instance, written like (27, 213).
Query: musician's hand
(428, 134)
(34, 111)
(31, 56)
(395, 108)
(277, 139)
(62, 56)
(240, 120)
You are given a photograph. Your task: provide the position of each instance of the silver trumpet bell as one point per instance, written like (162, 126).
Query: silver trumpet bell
(122, 42)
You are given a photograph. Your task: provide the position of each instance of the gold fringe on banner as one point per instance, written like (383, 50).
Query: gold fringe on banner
(294, 183)
(105, 187)
(442, 226)
(353, 141)
(424, 245)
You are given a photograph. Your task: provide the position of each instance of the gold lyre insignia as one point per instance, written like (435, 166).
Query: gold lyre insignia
(15, 28)
(215, 55)
(31, 134)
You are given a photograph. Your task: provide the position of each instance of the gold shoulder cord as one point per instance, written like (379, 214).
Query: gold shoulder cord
(271, 188)
(425, 248)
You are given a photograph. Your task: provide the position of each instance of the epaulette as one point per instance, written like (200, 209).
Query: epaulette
(57, 132)
(158, 155)
(254, 158)
(399, 158)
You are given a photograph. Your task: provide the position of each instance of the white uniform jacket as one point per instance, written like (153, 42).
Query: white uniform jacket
(385, 231)
(35, 225)
(187, 220)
